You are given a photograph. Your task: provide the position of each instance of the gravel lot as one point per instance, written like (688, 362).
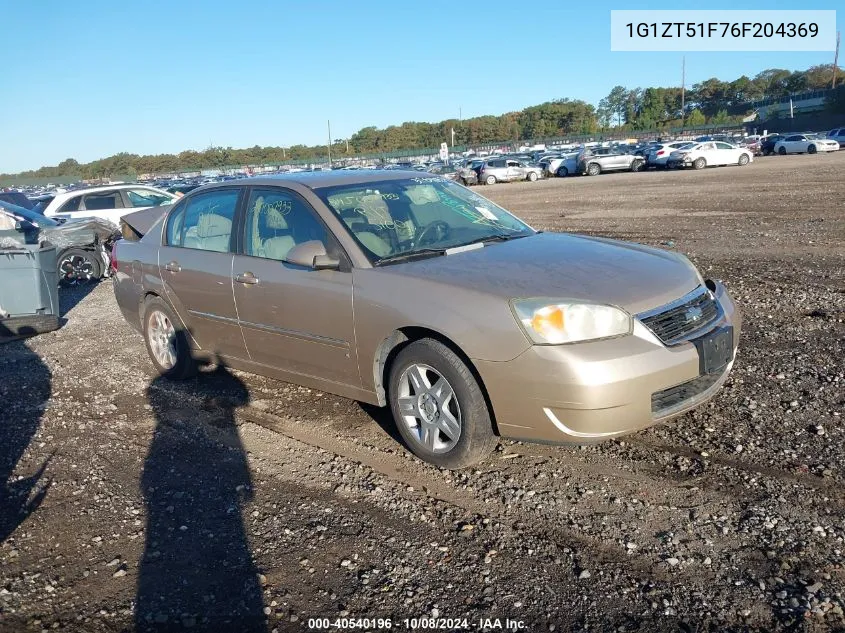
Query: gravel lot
(237, 503)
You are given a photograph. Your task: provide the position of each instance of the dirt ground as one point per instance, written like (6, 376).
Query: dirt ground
(231, 502)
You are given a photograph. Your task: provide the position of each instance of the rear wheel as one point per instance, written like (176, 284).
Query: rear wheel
(562, 172)
(78, 266)
(743, 160)
(438, 406)
(532, 176)
(167, 341)
(490, 180)
(593, 169)
(699, 163)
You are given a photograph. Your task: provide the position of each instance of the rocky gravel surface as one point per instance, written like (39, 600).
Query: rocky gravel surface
(232, 502)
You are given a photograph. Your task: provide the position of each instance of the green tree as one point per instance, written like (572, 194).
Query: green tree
(696, 117)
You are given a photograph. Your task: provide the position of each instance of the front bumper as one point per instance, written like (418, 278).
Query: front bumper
(587, 392)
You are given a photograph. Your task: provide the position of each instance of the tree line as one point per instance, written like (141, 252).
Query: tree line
(711, 101)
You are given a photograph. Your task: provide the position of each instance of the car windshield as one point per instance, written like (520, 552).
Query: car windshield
(392, 219)
(26, 214)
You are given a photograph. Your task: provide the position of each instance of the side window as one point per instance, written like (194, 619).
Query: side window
(278, 220)
(173, 232)
(513, 163)
(70, 205)
(723, 146)
(208, 219)
(146, 198)
(103, 200)
(793, 138)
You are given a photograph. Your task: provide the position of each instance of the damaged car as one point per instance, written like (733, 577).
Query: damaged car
(409, 291)
(83, 246)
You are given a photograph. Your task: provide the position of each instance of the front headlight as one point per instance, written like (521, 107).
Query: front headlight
(553, 322)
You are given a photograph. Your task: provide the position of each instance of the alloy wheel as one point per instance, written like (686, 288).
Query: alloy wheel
(162, 337)
(429, 407)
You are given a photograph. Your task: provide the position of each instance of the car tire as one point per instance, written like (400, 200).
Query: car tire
(812, 149)
(418, 411)
(562, 172)
(78, 266)
(167, 341)
(28, 325)
(490, 180)
(699, 163)
(637, 165)
(782, 151)
(532, 176)
(743, 160)
(593, 169)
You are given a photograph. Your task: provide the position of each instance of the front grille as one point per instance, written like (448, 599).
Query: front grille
(679, 321)
(663, 401)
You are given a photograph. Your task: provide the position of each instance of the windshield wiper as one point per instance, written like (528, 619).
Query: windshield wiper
(497, 237)
(404, 257)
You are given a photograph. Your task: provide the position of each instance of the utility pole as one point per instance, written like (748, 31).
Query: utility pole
(835, 61)
(683, 89)
(330, 143)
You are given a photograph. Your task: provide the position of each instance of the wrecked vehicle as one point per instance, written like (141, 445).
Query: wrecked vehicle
(83, 246)
(467, 322)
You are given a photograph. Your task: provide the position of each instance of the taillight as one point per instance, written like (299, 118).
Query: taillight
(661, 152)
(113, 258)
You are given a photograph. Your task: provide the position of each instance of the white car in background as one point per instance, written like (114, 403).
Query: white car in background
(109, 203)
(805, 144)
(658, 155)
(709, 154)
(564, 165)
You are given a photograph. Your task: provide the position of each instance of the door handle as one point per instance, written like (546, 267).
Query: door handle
(246, 278)
(173, 267)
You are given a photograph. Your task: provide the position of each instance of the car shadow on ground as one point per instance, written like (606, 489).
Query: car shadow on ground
(197, 570)
(71, 296)
(25, 388)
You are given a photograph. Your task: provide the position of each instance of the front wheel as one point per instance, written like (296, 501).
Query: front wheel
(812, 149)
(782, 151)
(532, 176)
(167, 341)
(562, 172)
(78, 266)
(593, 169)
(637, 165)
(438, 406)
(699, 163)
(743, 160)
(490, 180)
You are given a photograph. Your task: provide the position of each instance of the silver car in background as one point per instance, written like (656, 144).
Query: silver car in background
(506, 170)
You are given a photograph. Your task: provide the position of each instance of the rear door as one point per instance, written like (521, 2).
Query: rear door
(515, 171)
(293, 318)
(195, 264)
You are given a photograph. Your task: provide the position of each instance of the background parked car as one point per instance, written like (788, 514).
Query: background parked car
(838, 135)
(563, 165)
(506, 170)
(659, 154)
(108, 203)
(82, 245)
(709, 154)
(462, 175)
(805, 144)
(600, 159)
(767, 144)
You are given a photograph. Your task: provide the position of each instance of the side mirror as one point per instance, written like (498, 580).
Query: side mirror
(312, 254)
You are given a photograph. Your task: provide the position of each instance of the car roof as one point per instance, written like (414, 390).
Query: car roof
(321, 179)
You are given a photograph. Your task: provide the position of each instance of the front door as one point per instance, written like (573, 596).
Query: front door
(293, 318)
(195, 264)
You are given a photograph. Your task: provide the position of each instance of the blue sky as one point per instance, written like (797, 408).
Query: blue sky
(161, 76)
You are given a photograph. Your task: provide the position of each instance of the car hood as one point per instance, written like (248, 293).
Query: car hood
(563, 266)
(81, 232)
